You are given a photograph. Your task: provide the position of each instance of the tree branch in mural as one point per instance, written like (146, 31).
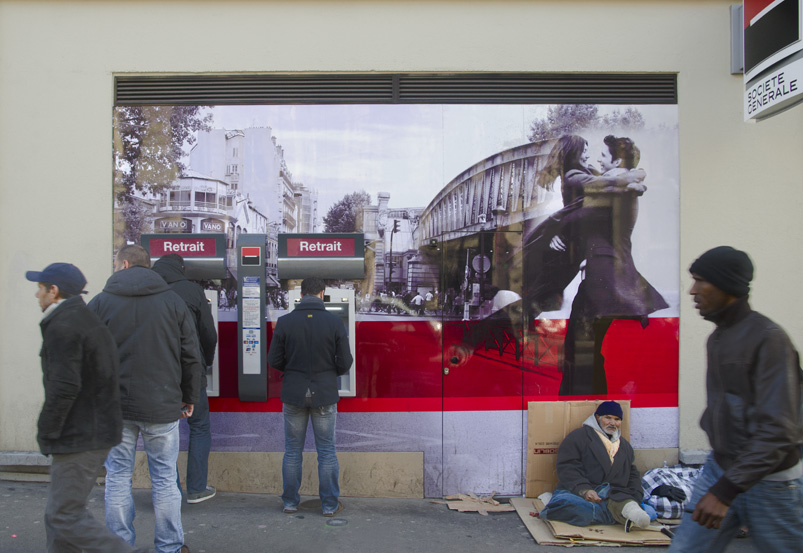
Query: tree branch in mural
(131, 221)
(566, 119)
(344, 215)
(149, 145)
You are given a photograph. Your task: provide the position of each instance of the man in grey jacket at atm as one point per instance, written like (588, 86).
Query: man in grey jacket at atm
(311, 347)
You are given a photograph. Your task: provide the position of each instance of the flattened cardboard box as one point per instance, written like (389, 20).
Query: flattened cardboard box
(547, 532)
(548, 423)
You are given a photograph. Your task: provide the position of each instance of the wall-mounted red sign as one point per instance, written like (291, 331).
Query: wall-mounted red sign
(330, 255)
(204, 254)
(320, 247)
(185, 247)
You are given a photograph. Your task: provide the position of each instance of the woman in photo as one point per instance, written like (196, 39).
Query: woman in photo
(594, 225)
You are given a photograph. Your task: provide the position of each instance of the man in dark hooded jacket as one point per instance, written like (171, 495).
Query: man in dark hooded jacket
(171, 268)
(160, 376)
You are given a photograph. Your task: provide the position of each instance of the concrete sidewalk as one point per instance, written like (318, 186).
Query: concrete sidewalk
(234, 522)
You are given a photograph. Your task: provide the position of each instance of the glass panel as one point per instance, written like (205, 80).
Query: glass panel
(482, 363)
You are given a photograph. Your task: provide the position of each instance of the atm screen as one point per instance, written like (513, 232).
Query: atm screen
(339, 309)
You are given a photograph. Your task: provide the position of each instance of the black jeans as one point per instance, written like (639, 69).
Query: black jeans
(70, 527)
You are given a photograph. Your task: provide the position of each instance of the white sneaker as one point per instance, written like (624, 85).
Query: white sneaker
(545, 498)
(639, 516)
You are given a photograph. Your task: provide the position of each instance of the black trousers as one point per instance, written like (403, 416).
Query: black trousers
(70, 527)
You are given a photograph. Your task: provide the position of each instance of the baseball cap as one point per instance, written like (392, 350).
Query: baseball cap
(66, 276)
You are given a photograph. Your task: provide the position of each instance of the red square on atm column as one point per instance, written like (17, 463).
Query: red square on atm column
(250, 255)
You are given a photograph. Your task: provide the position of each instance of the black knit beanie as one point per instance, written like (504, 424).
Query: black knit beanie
(609, 408)
(728, 269)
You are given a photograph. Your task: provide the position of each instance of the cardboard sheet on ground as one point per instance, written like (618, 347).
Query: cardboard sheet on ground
(559, 533)
(548, 423)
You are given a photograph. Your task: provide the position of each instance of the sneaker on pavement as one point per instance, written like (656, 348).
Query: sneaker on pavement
(333, 513)
(290, 510)
(184, 549)
(208, 493)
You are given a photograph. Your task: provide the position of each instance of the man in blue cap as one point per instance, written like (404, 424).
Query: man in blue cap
(81, 418)
(754, 474)
(598, 482)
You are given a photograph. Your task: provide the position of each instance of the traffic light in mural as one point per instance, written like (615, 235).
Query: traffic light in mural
(395, 225)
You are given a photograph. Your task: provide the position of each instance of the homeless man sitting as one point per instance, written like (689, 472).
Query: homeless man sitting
(597, 480)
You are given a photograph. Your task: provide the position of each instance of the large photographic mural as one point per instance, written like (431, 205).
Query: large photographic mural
(515, 253)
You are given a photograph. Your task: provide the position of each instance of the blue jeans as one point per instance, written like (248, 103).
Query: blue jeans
(569, 507)
(161, 447)
(199, 446)
(295, 433)
(773, 511)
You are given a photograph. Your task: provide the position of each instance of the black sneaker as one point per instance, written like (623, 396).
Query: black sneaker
(208, 493)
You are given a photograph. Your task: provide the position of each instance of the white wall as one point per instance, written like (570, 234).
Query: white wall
(740, 183)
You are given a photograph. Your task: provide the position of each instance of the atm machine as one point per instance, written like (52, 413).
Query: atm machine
(339, 301)
(335, 256)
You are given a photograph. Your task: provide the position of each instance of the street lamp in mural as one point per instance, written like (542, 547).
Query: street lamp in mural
(390, 263)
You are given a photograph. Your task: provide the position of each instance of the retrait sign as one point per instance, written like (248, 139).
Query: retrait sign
(332, 256)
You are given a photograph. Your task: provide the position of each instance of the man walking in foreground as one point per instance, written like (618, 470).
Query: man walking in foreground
(160, 375)
(311, 347)
(754, 475)
(81, 418)
(171, 268)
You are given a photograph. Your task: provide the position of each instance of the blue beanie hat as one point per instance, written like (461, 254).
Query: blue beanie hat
(609, 408)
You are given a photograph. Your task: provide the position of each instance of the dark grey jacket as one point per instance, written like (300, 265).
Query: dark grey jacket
(311, 347)
(193, 295)
(160, 365)
(80, 375)
(584, 464)
(753, 385)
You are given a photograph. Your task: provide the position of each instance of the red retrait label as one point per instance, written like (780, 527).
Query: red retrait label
(320, 247)
(185, 247)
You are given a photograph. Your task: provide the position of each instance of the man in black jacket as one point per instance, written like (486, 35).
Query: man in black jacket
(160, 377)
(171, 268)
(311, 347)
(81, 418)
(754, 475)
